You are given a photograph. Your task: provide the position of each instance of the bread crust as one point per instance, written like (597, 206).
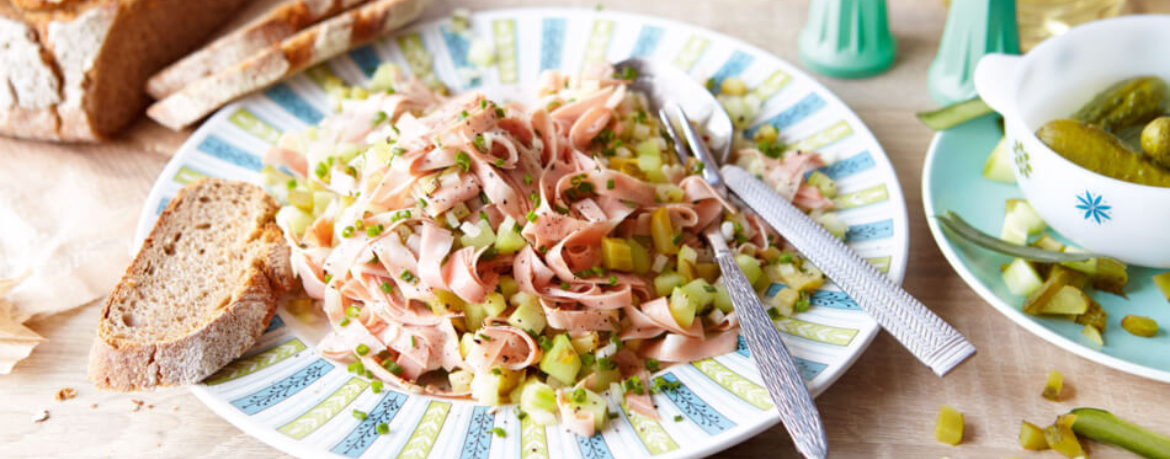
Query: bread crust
(100, 52)
(124, 366)
(308, 47)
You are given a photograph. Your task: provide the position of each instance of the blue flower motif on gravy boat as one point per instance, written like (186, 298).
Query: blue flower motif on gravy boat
(1093, 207)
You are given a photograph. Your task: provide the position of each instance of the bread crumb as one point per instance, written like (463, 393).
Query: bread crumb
(40, 416)
(137, 404)
(175, 409)
(93, 406)
(65, 393)
(150, 407)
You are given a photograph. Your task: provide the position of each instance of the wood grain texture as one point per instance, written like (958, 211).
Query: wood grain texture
(884, 407)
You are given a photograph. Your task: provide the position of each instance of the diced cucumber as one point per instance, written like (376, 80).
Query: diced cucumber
(528, 316)
(833, 223)
(508, 286)
(1025, 216)
(1021, 278)
(465, 344)
(561, 362)
(682, 308)
(473, 316)
(294, 219)
(302, 198)
(785, 301)
(687, 258)
(647, 148)
(585, 343)
(668, 192)
(488, 387)
(822, 182)
(321, 201)
(1058, 277)
(539, 401)
(460, 380)
(271, 176)
(445, 302)
(999, 164)
(508, 239)
(593, 404)
(750, 267)
(494, 304)
(650, 164)
(723, 299)
(640, 257)
(483, 238)
(616, 254)
(666, 282)
(701, 292)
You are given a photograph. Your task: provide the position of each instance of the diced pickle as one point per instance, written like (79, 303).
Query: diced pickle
(1058, 278)
(682, 307)
(1068, 300)
(750, 266)
(1061, 438)
(1095, 317)
(666, 282)
(616, 254)
(1139, 326)
(1032, 437)
(949, 426)
(1103, 426)
(561, 362)
(640, 257)
(662, 232)
(823, 183)
(1053, 386)
(1092, 334)
(1163, 283)
(707, 271)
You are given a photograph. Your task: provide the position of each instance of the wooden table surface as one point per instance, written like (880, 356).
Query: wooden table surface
(884, 407)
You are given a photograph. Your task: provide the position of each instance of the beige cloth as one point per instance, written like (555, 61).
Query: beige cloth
(67, 218)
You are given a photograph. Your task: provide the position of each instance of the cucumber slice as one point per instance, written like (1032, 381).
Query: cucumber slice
(750, 266)
(666, 282)
(593, 404)
(481, 238)
(494, 304)
(1021, 278)
(998, 167)
(723, 299)
(641, 257)
(294, 219)
(460, 380)
(1025, 215)
(701, 292)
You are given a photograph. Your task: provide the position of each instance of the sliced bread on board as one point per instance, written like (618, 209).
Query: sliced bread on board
(308, 47)
(74, 70)
(262, 24)
(201, 290)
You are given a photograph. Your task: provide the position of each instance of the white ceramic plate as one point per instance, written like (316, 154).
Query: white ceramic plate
(286, 395)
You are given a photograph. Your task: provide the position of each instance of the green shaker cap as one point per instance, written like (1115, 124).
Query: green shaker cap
(974, 29)
(847, 38)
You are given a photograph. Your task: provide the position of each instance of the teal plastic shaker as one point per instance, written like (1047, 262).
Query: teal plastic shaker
(974, 28)
(847, 38)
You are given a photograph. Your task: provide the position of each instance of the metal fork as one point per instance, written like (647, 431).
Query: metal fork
(926, 335)
(781, 378)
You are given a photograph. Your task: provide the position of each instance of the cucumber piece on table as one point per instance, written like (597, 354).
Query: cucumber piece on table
(998, 167)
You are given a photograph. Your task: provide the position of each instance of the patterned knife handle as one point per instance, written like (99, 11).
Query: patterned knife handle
(931, 340)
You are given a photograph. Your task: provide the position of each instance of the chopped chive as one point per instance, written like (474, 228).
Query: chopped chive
(463, 115)
(774, 314)
(606, 363)
(613, 280)
(374, 230)
(321, 169)
(328, 278)
(617, 342)
(359, 415)
(291, 183)
(677, 239)
(527, 179)
(499, 432)
(352, 311)
(499, 112)
(379, 118)
(483, 103)
(678, 418)
(609, 184)
(531, 215)
(408, 277)
(347, 231)
(500, 162)
(480, 143)
(785, 258)
(383, 428)
(578, 395)
(376, 386)
(709, 288)
(565, 286)
(521, 415)
(413, 342)
(398, 151)
(497, 371)
(393, 367)
(387, 286)
(652, 365)
(587, 359)
(362, 349)
(463, 160)
(344, 321)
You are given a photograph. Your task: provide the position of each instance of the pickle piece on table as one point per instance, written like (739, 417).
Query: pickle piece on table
(1156, 141)
(1101, 152)
(1132, 102)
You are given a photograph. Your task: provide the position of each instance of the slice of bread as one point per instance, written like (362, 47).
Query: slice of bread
(198, 294)
(74, 70)
(308, 47)
(262, 24)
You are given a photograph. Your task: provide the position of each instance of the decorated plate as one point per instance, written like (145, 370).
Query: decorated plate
(288, 396)
(952, 180)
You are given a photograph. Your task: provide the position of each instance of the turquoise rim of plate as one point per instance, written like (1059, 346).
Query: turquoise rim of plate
(952, 180)
(282, 383)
